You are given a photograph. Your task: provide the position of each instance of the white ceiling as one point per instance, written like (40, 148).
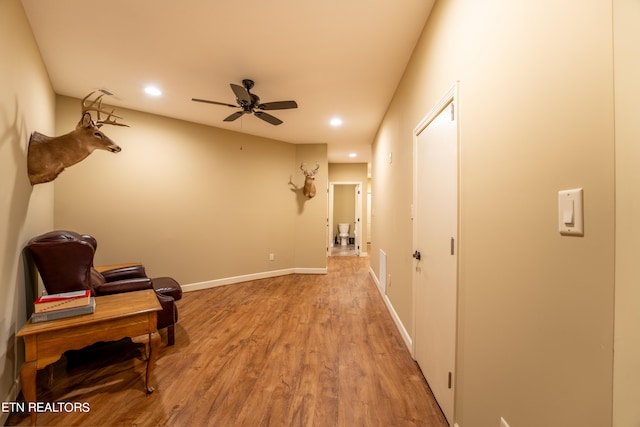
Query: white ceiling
(333, 57)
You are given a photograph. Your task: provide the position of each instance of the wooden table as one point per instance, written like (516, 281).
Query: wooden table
(129, 314)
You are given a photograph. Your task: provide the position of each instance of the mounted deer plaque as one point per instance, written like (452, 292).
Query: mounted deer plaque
(309, 189)
(48, 156)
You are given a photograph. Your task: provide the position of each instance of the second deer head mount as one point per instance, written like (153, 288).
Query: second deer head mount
(48, 156)
(309, 189)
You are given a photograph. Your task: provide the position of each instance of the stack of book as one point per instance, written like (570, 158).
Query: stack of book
(60, 306)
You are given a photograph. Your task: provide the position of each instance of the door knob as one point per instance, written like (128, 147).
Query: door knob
(416, 255)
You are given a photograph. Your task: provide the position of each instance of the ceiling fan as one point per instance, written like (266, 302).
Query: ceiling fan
(250, 103)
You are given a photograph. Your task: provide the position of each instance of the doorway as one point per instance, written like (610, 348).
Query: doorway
(345, 209)
(435, 227)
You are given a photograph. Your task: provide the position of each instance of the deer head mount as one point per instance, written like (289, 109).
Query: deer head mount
(309, 189)
(48, 156)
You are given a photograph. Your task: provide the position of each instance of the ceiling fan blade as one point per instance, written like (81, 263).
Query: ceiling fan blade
(241, 93)
(268, 118)
(279, 105)
(213, 102)
(234, 116)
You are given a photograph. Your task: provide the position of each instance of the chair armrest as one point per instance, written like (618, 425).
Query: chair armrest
(121, 272)
(120, 286)
(102, 268)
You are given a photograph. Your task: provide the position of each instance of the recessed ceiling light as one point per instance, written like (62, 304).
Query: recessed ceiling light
(352, 155)
(152, 90)
(336, 121)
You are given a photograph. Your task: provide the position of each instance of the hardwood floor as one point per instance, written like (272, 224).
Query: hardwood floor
(348, 250)
(298, 350)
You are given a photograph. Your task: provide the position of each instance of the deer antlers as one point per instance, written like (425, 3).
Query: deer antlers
(309, 173)
(96, 105)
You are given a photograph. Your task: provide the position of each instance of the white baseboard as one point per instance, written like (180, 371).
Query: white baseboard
(376, 281)
(394, 315)
(247, 277)
(310, 270)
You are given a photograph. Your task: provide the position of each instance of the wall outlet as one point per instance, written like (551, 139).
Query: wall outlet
(503, 423)
(272, 257)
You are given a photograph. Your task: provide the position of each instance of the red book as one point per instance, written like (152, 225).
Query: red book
(53, 302)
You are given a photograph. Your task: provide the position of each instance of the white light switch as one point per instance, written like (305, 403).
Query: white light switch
(567, 212)
(570, 212)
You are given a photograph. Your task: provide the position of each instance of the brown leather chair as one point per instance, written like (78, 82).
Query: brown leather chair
(65, 262)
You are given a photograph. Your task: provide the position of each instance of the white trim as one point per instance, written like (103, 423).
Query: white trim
(394, 315)
(450, 96)
(247, 277)
(310, 270)
(358, 211)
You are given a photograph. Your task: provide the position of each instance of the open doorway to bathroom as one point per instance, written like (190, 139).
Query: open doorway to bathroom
(344, 228)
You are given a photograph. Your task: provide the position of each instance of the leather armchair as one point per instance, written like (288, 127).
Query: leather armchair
(65, 262)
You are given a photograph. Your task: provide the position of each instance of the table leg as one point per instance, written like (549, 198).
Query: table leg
(50, 376)
(154, 346)
(28, 379)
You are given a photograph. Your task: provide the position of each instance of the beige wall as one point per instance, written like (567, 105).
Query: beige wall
(26, 105)
(627, 339)
(535, 336)
(191, 201)
(311, 221)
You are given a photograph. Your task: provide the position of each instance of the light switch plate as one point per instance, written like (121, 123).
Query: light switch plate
(570, 212)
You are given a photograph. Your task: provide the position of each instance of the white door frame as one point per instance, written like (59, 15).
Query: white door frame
(358, 218)
(450, 97)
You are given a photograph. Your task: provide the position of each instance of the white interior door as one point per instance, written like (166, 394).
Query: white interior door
(330, 226)
(357, 223)
(435, 235)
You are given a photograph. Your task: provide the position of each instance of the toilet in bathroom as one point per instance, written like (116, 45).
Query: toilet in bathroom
(343, 233)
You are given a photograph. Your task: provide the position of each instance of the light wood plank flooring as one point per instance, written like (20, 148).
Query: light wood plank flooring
(298, 350)
(348, 250)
